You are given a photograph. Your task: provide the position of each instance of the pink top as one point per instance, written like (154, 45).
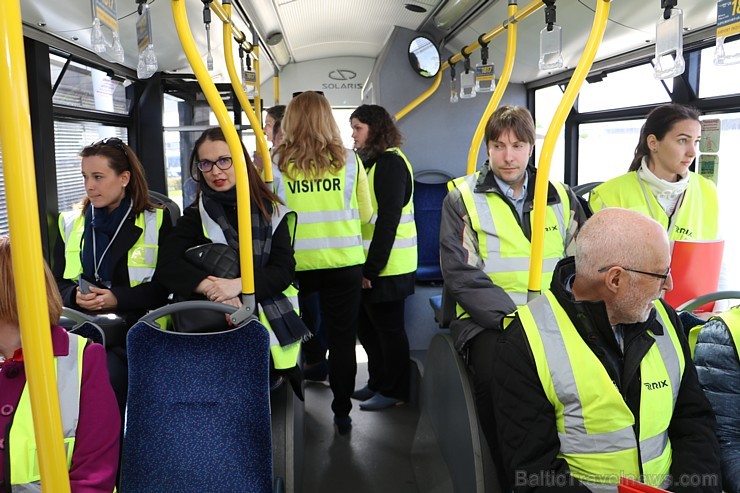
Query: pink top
(95, 456)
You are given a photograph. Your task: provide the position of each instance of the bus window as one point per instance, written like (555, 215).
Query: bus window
(619, 137)
(634, 86)
(546, 103)
(717, 80)
(87, 88)
(729, 201)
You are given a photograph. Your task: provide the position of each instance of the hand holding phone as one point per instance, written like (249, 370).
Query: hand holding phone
(85, 283)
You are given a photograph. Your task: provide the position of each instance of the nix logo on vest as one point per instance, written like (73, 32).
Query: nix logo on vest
(684, 231)
(319, 185)
(550, 228)
(656, 385)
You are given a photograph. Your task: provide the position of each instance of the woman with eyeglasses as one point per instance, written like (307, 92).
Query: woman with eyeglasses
(213, 219)
(326, 185)
(107, 256)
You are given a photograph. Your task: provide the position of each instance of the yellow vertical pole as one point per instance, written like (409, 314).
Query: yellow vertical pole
(23, 218)
(276, 87)
(232, 137)
(498, 93)
(543, 167)
(242, 96)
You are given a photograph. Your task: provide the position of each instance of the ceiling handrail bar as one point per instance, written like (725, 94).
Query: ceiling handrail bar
(521, 14)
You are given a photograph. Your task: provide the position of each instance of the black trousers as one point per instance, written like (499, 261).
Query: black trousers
(480, 362)
(339, 303)
(382, 332)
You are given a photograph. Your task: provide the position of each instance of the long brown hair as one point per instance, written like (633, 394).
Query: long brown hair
(258, 191)
(8, 299)
(382, 132)
(122, 158)
(659, 122)
(311, 138)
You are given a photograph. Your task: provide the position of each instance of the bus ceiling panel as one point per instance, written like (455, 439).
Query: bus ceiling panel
(631, 26)
(359, 28)
(72, 21)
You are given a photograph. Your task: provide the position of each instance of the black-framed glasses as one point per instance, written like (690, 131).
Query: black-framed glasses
(113, 142)
(222, 163)
(662, 277)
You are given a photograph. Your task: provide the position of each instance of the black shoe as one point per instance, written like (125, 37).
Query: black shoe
(344, 424)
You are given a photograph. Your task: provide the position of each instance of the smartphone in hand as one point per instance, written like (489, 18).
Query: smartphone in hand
(85, 283)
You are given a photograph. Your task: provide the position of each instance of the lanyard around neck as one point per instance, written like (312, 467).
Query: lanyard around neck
(97, 262)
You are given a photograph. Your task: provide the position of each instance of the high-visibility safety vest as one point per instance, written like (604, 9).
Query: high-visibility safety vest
(731, 319)
(282, 356)
(142, 257)
(25, 475)
(328, 235)
(594, 424)
(504, 248)
(404, 256)
(697, 216)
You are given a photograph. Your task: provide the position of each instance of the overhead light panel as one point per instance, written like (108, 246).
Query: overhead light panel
(278, 48)
(452, 12)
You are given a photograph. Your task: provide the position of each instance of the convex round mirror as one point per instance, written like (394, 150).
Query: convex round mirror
(424, 56)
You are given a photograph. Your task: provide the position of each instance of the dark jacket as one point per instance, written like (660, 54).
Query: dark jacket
(133, 302)
(182, 277)
(718, 367)
(393, 187)
(462, 266)
(525, 419)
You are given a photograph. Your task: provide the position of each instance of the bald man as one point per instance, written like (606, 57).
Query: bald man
(594, 381)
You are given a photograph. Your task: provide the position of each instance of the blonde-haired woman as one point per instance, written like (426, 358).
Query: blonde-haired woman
(90, 420)
(327, 186)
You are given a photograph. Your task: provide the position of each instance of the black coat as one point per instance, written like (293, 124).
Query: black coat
(393, 186)
(133, 302)
(182, 277)
(525, 419)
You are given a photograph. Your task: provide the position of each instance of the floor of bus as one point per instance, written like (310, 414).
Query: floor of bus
(375, 456)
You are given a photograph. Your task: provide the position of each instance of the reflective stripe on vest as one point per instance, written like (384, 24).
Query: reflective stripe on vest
(328, 234)
(696, 218)
(600, 446)
(504, 248)
(24, 463)
(282, 356)
(403, 257)
(142, 257)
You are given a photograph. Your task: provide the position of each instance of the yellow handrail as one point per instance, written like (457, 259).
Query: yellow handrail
(242, 97)
(498, 93)
(27, 257)
(523, 13)
(276, 87)
(232, 138)
(416, 102)
(226, 19)
(543, 168)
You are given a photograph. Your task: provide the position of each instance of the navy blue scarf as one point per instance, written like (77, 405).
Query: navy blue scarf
(104, 225)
